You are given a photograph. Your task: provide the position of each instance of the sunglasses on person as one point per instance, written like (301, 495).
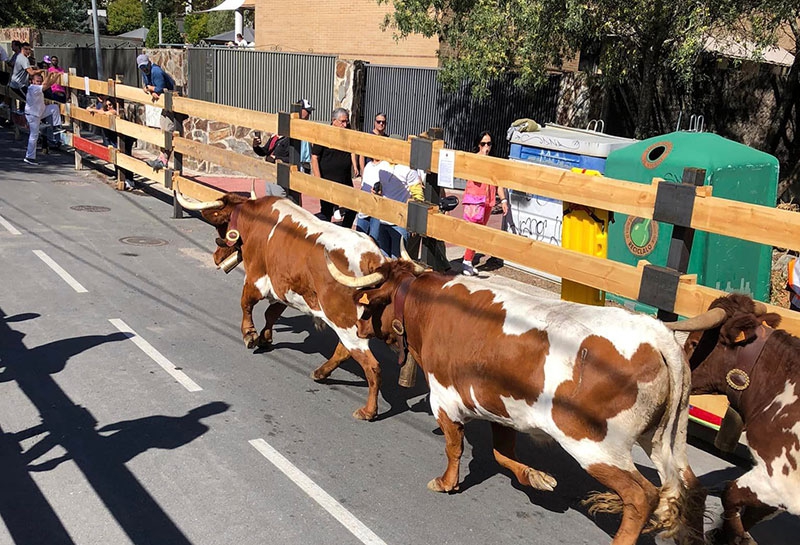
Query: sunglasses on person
(380, 121)
(485, 144)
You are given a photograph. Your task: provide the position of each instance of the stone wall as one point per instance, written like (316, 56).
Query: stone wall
(30, 35)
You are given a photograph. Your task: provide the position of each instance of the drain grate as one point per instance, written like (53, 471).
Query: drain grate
(143, 241)
(89, 208)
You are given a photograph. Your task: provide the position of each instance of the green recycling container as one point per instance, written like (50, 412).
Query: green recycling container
(735, 171)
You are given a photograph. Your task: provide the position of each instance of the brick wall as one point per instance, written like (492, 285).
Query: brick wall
(349, 29)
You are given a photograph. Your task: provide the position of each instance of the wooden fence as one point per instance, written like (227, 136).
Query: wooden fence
(761, 224)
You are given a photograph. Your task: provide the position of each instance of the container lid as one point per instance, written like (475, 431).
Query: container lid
(578, 141)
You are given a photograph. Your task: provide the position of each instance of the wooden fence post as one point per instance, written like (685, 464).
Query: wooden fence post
(76, 128)
(431, 251)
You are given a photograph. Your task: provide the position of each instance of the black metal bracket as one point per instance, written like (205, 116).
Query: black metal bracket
(167, 140)
(284, 176)
(417, 217)
(421, 154)
(674, 204)
(167, 100)
(284, 124)
(659, 287)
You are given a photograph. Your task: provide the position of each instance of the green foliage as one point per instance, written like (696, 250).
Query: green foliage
(45, 14)
(169, 31)
(168, 8)
(124, 16)
(639, 40)
(195, 26)
(219, 22)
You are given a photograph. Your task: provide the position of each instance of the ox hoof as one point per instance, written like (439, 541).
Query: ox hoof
(264, 342)
(319, 376)
(251, 340)
(436, 485)
(362, 414)
(540, 480)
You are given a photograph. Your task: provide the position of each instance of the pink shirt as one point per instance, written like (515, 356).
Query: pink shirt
(56, 88)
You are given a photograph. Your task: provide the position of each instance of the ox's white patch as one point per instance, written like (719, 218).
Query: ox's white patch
(264, 286)
(779, 489)
(567, 324)
(332, 237)
(784, 399)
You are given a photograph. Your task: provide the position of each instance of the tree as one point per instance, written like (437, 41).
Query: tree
(219, 22)
(638, 40)
(49, 14)
(195, 25)
(168, 9)
(124, 16)
(169, 31)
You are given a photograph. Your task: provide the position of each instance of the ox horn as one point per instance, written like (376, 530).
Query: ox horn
(761, 308)
(352, 281)
(404, 255)
(253, 190)
(195, 205)
(701, 322)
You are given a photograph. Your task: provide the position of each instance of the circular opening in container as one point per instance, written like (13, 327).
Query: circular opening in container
(655, 154)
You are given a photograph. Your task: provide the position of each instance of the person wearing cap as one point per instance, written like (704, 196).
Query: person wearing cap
(56, 91)
(305, 148)
(156, 81)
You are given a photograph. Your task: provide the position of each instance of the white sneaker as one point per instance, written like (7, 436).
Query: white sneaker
(468, 269)
(337, 216)
(31, 161)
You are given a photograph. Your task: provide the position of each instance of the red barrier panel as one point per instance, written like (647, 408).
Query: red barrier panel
(92, 148)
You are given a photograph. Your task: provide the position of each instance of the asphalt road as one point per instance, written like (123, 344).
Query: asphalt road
(131, 412)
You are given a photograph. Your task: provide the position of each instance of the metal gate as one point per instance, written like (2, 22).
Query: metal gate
(413, 100)
(266, 81)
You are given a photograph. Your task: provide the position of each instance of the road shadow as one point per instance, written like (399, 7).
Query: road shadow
(27, 513)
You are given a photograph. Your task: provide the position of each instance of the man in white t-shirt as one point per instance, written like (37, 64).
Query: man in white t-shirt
(36, 112)
(399, 183)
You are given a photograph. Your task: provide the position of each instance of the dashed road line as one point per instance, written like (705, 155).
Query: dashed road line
(156, 356)
(345, 517)
(10, 228)
(60, 272)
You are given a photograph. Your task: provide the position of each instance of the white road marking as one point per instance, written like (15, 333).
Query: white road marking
(345, 517)
(60, 272)
(10, 228)
(156, 356)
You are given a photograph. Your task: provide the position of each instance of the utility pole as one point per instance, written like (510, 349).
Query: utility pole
(97, 51)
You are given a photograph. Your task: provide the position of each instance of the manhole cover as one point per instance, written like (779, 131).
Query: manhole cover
(89, 208)
(143, 241)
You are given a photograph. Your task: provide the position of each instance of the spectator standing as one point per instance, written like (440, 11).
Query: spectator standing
(56, 91)
(36, 112)
(794, 284)
(479, 200)
(23, 70)
(378, 129)
(240, 41)
(398, 183)
(305, 148)
(16, 47)
(3, 55)
(335, 165)
(156, 81)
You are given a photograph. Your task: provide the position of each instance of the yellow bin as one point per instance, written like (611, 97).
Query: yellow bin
(585, 230)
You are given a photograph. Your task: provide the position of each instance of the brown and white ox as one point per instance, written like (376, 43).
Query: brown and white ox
(735, 351)
(597, 380)
(283, 249)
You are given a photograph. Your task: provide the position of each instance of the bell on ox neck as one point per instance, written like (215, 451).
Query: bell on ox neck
(230, 262)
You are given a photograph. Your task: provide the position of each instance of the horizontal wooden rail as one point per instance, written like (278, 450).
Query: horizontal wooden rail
(251, 166)
(226, 114)
(140, 132)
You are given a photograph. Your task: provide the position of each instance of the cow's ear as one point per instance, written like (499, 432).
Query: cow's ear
(370, 298)
(772, 319)
(739, 329)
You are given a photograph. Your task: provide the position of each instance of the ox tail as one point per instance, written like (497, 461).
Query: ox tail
(319, 324)
(681, 499)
